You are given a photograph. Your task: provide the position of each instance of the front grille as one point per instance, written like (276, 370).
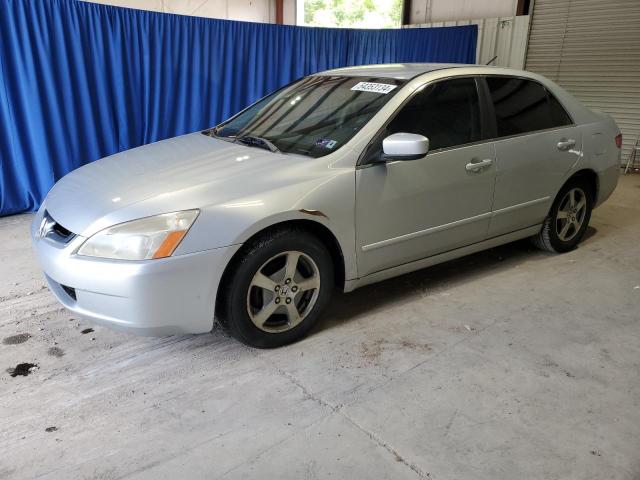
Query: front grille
(52, 230)
(63, 232)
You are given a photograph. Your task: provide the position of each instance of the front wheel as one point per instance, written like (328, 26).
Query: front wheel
(276, 290)
(568, 219)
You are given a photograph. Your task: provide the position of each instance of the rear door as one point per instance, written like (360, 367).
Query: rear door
(536, 145)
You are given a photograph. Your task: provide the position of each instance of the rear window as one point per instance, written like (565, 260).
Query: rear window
(524, 106)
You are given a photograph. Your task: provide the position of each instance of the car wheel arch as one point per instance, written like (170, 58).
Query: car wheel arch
(316, 228)
(585, 173)
(590, 176)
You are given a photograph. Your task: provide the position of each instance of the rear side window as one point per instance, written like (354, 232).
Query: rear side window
(558, 113)
(523, 106)
(445, 112)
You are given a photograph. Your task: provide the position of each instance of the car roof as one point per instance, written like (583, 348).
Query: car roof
(402, 71)
(411, 71)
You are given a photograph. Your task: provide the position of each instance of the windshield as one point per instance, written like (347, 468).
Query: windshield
(313, 116)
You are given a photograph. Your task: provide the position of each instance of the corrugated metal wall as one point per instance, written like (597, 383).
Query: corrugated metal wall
(592, 48)
(504, 37)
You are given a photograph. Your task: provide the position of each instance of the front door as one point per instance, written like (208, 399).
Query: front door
(409, 210)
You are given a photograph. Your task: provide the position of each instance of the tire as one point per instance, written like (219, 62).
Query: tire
(553, 237)
(257, 283)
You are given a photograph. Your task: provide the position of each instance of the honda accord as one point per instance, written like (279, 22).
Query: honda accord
(340, 179)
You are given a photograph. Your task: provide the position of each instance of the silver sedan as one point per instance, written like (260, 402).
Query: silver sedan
(340, 179)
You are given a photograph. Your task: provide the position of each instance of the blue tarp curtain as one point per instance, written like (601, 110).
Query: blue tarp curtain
(80, 81)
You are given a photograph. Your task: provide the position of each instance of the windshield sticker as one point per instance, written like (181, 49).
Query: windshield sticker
(326, 143)
(373, 87)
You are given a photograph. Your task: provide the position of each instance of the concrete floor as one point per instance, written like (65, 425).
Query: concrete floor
(509, 364)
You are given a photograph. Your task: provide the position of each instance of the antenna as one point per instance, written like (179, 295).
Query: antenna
(490, 61)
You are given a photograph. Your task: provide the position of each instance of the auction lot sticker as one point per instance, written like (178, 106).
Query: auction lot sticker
(373, 87)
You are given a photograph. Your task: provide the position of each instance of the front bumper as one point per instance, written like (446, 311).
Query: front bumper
(173, 295)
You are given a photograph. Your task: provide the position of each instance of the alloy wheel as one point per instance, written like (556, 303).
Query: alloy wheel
(283, 291)
(571, 214)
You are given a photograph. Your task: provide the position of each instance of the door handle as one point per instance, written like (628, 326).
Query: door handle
(566, 144)
(477, 166)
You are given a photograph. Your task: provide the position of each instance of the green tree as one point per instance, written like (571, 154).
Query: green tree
(310, 8)
(395, 12)
(349, 13)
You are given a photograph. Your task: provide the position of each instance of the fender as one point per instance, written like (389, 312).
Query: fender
(345, 242)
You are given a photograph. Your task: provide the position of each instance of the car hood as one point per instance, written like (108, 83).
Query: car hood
(174, 168)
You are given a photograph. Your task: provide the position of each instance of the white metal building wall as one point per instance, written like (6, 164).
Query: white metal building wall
(427, 11)
(592, 48)
(504, 38)
(245, 10)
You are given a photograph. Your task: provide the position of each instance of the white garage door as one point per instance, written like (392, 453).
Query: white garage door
(592, 48)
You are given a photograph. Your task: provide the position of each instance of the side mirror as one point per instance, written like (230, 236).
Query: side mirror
(404, 146)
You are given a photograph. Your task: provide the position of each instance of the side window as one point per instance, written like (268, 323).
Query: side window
(446, 112)
(523, 106)
(558, 113)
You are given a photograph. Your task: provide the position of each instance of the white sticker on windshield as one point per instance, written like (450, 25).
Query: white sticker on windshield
(373, 87)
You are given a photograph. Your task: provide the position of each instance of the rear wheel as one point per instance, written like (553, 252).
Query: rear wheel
(276, 290)
(568, 219)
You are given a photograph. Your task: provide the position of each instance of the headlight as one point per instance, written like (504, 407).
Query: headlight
(151, 237)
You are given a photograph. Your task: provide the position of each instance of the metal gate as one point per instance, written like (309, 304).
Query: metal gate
(592, 48)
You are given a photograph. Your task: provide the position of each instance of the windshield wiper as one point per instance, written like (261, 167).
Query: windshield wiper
(260, 142)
